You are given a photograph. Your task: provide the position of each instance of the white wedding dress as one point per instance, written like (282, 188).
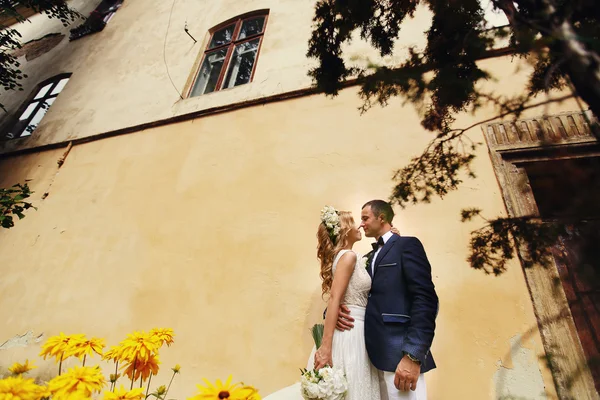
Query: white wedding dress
(348, 348)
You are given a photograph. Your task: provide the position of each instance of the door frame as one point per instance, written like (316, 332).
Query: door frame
(511, 144)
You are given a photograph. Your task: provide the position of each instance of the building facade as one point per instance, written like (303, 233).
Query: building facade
(179, 172)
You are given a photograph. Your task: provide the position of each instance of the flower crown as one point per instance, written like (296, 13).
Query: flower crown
(330, 217)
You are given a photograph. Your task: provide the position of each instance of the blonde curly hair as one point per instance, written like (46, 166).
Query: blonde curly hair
(327, 248)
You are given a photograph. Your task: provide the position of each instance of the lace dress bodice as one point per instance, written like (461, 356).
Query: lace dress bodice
(359, 286)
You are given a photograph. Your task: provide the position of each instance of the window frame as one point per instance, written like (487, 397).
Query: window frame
(238, 21)
(53, 81)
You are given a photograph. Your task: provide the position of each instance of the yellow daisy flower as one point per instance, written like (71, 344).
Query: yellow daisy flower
(84, 380)
(60, 346)
(19, 388)
(221, 391)
(87, 346)
(123, 394)
(142, 368)
(176, 368)
(115, 354)
(44, 392)
(140, 346)
(164, 335)
(19, 369)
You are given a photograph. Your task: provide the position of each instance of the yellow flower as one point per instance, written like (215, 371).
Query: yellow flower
(140, 346)
(225, 390)
(44, 392)
(19, 369)
(115, 354)
(87, 346)
(76, 395)
(164, 335)
(123, 394)
(176, 368)
(162, 389)
(142, 368)
(114, 377)
(19, 388)
(60, 346)
(77, 381)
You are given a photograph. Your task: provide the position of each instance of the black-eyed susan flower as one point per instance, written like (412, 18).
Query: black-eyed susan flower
(139, 346)
(124, 394)
(19, 388)
(84, 347)
(18, 369)
(142, 368)
(77, 380)
(164, 335)
(226, 390)
(114, 354)
(61, 346)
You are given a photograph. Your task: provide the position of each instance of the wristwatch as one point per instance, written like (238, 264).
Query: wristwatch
(413, 358)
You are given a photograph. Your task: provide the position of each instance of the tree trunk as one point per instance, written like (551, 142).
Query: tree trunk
(581, 64)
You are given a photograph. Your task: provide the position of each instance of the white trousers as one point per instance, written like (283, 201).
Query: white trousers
(389, 391)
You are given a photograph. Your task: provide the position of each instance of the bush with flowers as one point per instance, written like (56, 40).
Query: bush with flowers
(136, 358)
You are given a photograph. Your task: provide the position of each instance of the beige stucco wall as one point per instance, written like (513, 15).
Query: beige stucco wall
(208, 226)
(120, 78)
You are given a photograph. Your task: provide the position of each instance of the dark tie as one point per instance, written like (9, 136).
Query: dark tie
(377, 244)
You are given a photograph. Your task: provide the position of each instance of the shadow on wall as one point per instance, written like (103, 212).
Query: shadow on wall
(523, 377)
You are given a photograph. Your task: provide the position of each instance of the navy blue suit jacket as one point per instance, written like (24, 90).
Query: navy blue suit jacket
(402, 306)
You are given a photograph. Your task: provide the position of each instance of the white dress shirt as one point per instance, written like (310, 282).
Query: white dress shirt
(386, 236)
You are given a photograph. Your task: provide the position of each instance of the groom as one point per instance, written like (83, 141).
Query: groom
(402, 307)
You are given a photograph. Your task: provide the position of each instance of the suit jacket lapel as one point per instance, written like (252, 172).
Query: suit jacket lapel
(384, 250)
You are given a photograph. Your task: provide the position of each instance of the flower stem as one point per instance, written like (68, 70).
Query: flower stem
(169, 387)
(148, 388)
(133, 373)
(84, 356)
(60, 363)
(114, 384)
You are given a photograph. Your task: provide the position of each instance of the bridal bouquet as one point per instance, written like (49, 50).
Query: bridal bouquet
(327, 383)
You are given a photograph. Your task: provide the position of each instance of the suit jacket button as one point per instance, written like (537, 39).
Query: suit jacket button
(369, 294)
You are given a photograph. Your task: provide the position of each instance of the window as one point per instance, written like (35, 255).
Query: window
(230, 57)
(32, 113)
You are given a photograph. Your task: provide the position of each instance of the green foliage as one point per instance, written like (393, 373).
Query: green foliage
(560, 37)
(12, 202)
(317, 334)
(10, 72)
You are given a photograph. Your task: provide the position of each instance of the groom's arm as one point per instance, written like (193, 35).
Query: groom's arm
(417, 273)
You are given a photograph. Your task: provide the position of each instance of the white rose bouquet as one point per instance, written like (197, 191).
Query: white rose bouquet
(327, 383)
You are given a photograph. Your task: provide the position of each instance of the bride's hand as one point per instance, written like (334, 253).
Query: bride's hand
(395, 230)
(323, 358)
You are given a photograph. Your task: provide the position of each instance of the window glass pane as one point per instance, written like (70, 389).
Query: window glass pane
(242, 61)
(38, 117)
(222, 36)
(28, 110)
(251, 27)
(61, 85)
(43, 91)
(209, 73)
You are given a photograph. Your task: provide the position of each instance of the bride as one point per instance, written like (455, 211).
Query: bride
(347, 282)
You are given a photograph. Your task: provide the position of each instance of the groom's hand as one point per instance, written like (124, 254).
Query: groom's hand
(345, 321)
(407, 373)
